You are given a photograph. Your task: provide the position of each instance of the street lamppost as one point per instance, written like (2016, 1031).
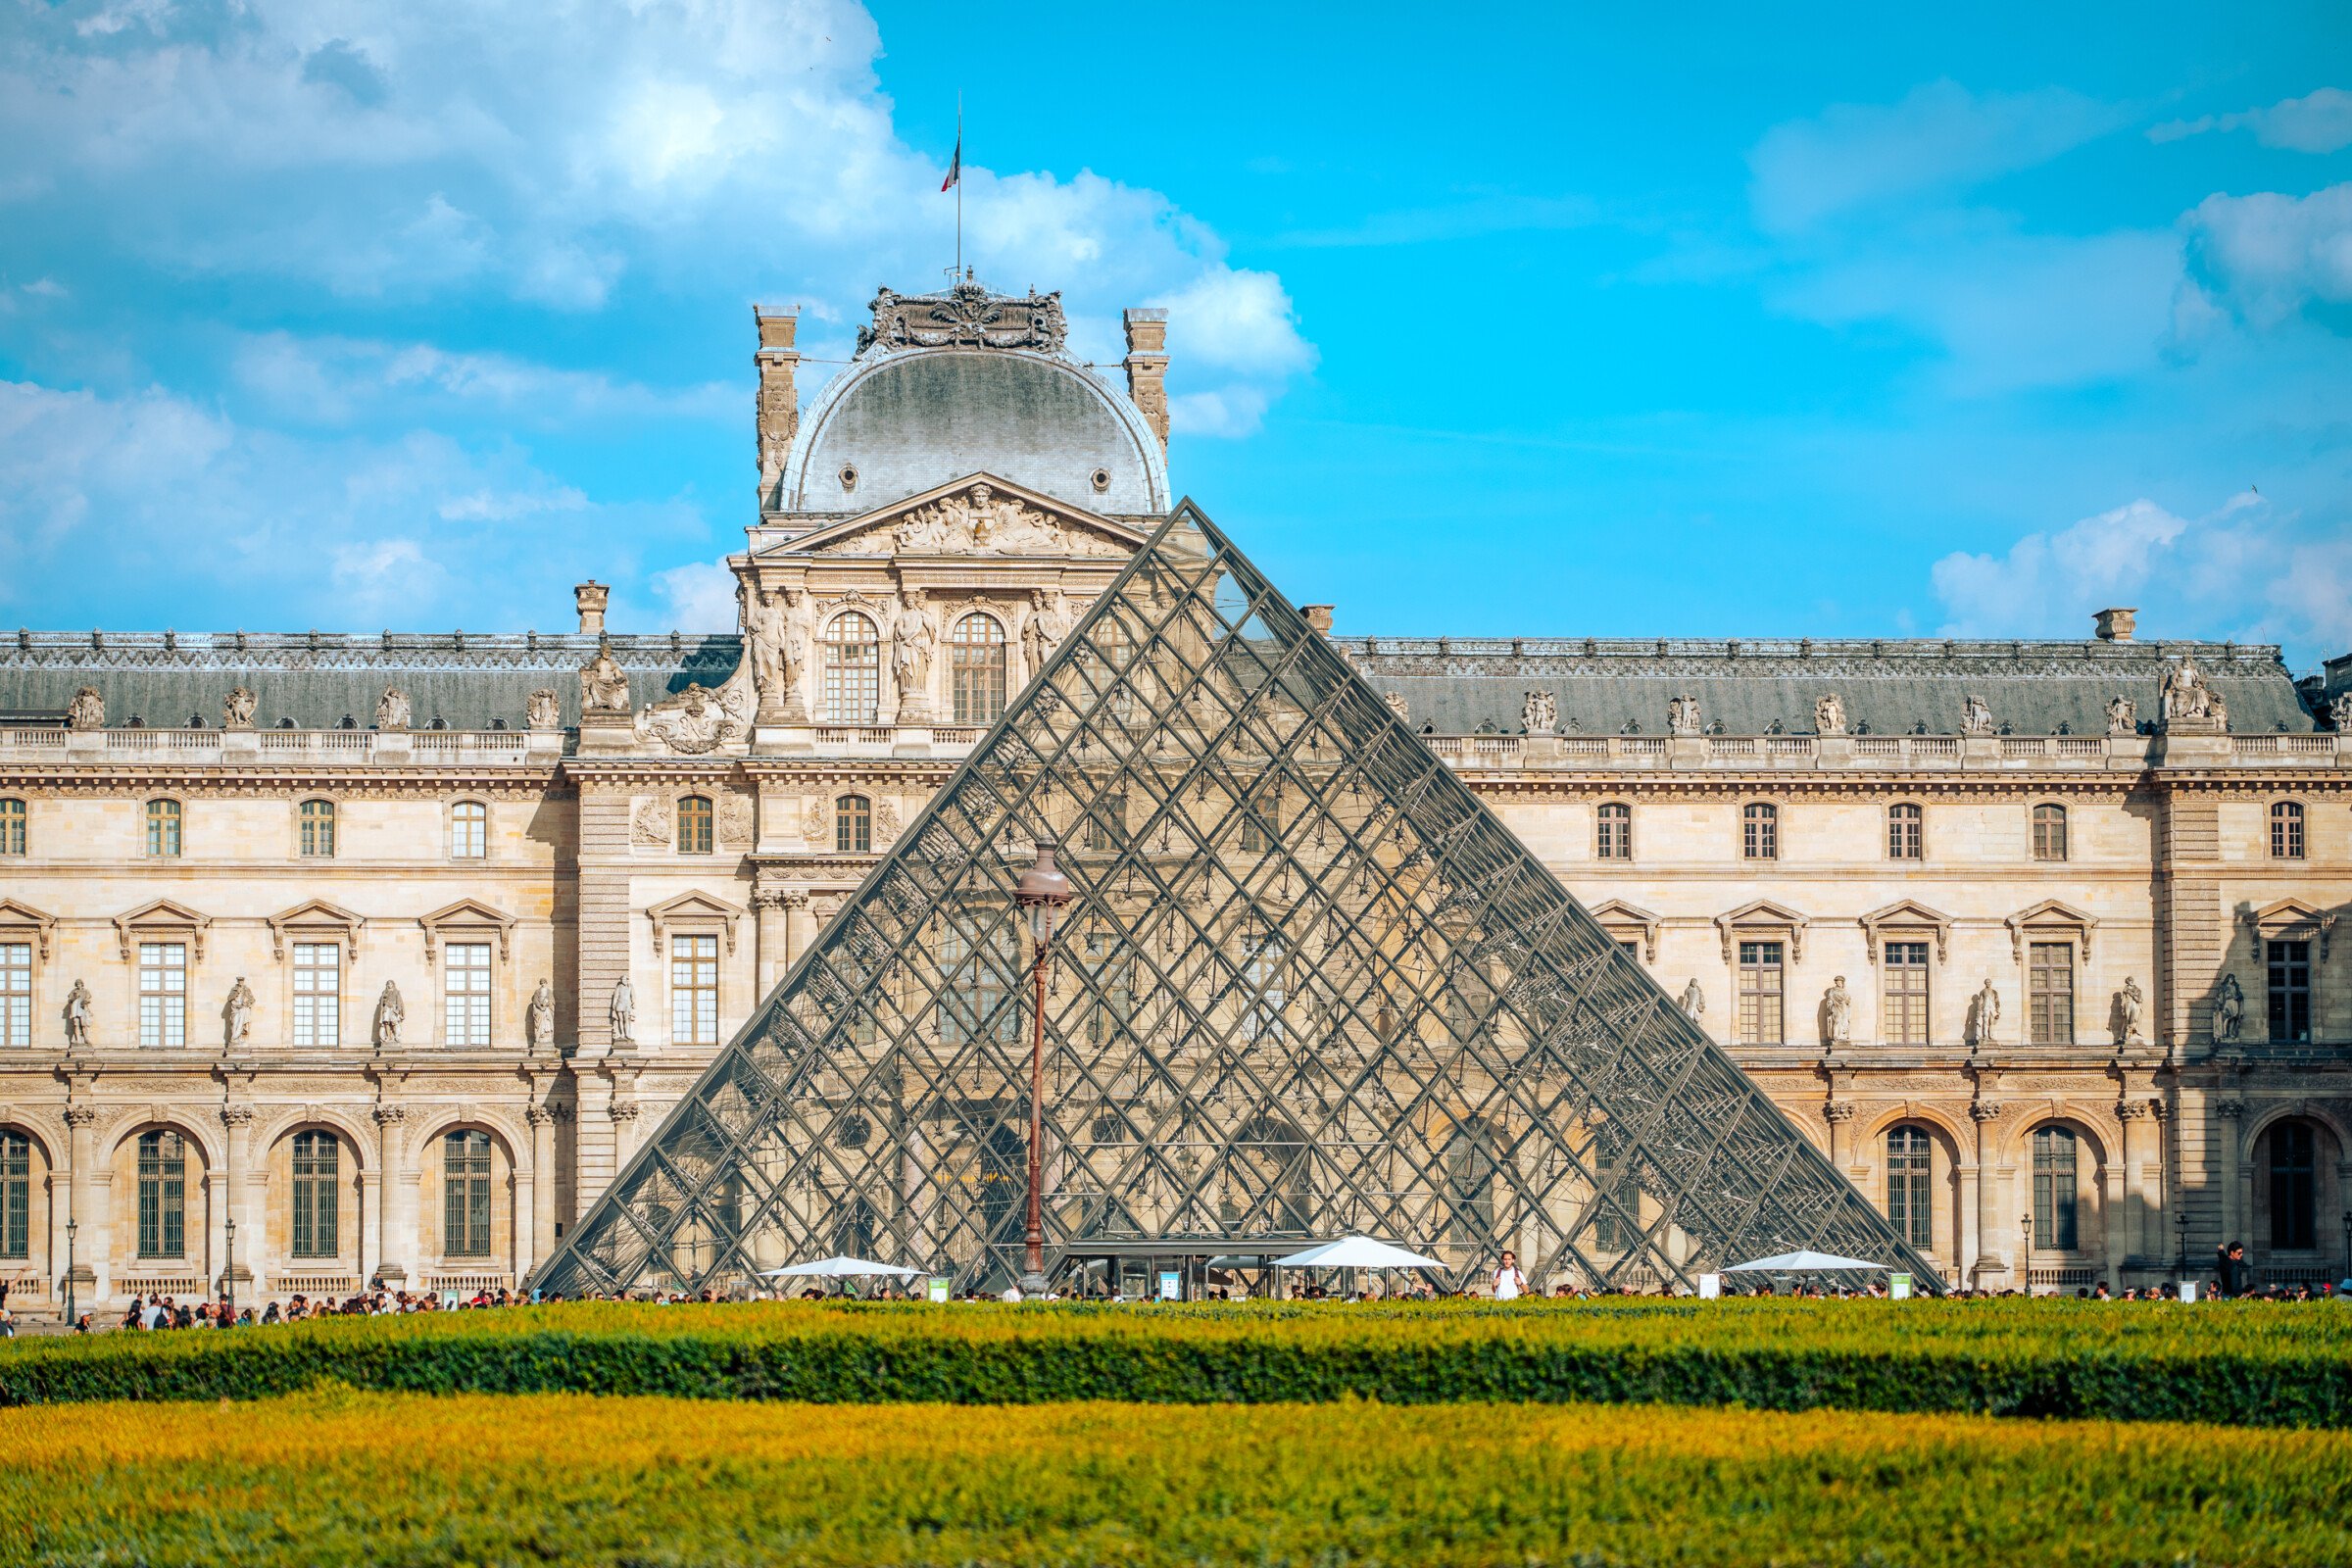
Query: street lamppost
(1045, 892)
(229, 1275)
(2025, 1250)
(2181, 1229)
(72, 1225)
(2348, 1243)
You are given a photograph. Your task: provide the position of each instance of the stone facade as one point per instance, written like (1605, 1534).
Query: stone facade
(392, 949)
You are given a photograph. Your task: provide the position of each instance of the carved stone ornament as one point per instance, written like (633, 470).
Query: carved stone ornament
(979, 521)
(237, 1016)
(1837, 1112)
(969, 317)
(237, 709)
(539, 1018)
(1976, 716)
(1682, 716)
(389, 1016)
(887, 822)
(2129, 1007)
(1985, 1015)
(2340, 714)
(2123, 715)
(1693, 1001)
(913, 643)
(392, 711)
(649, 824)
(1828, 714)
(1398, 705)
(1539, 713)
(623, 1012)
(1048, 621)
(87, 710)
(698, 720)
(544, 710)
(735, 821)
(815, 823)
(2189, 702)
(2228, 1010)
(604, 684)
(77, 1016)
(1838, 1014)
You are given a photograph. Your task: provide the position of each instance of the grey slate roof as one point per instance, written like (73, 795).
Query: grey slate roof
(463, 680)
(1750, 685)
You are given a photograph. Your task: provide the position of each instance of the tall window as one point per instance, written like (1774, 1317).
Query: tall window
(2294, 1174)
(976, 666)
(2050, 993)
(162, 994)
(2049, 832)
(318, 830)
(1903, 1006)
(2287, 832)
(1615, 838)
(1906, 837)
(852, 825)
(1112, 968)
(16, 1195)
(163, 1195)
(466, 994)
(317, 1195)
(694, 824)
(853, 666)
(468, 830)
(694, 990)
(12, 826)
(2054, 1215)
(971, 1000)
(1262, 973)
(1910, 1185)
(1106, 825)
(2290, 990)
(1761, 992)
(16, 992)
(1261, 821)
(317, 994)
(163, 827)
(465, 1194)
(1760, 831)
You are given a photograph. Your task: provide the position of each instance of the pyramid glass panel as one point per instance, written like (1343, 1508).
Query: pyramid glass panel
(1309, 986)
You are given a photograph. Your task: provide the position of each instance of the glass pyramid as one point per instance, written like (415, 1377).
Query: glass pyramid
(1309, 986)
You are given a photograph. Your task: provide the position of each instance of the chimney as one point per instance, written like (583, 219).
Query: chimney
(2114, 625)
(778, 415)
(1147, 369)
(1319, 617)
(590, 597)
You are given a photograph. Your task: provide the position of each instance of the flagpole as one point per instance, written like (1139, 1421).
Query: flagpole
(960, 185)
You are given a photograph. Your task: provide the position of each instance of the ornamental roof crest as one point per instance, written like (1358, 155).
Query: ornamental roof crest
(966, 316)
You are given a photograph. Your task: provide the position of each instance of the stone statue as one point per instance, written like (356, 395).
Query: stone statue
(1047, 625)
(1983, 1015)
(624, 1012)
(762, 617)
(2340, 714)
(2123, 715)
(2186, 697)
(1838, 1014)
(1692, 1001)
(238, 1014)
(2228, 1010)
(2129, 1006)
(544, 710)
(87, 710)
(392, 709)
(389, 1016)
(793, 661)
(1828, 714)
(1681, 717)
(1540, 714)
(539, 1018)
(1975, 715)
(604, 684)
(236, 709)
(913, 639)
(77, 1016)
(1398, 705)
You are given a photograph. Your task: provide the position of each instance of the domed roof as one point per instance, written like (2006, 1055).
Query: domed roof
(938, 391)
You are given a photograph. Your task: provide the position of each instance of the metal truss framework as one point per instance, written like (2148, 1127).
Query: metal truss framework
(1311, 985)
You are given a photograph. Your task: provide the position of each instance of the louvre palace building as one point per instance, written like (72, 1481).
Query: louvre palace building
(328, 958)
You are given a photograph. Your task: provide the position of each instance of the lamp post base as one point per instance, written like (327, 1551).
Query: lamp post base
(1033, 1286)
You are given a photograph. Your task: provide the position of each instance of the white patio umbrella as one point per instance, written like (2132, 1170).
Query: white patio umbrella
(839, 1268)
(1352, 1251)
(1801, 1261)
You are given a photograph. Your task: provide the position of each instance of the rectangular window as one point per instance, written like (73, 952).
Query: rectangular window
(1903, 1009)
(318, 830)
(2287, 832)
(693, 825)
(162, 994)
(16, 1196)
(466, 1195)
(12, 827)
(2049, 832)
(1106, 825)
(162, 828)
(694, 990)
(1760, 835)
(317, 994)
(1264, 974)
(1112, 971)
(468, 830)
(16, 992)
(316, 1195)
(2056, 1199)
(1762, 1020)
(163, 1196)
(1910, 1185)
(2290, 990)
(466, 995)
(1906, 833)
(2050, 994)
(1616, 837)
(972, 993)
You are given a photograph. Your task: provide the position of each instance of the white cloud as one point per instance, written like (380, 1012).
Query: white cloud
(2266, 256)
(331, 380)
(696, 597)
(1938, 137)
(2316, 122)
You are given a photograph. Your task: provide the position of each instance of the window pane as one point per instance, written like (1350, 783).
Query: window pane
(1903, 1003)
(466, 995)
(162, 994)
(2049, 832)
(12, 827)
(1761, 1021)
(163, 1195)
(317, 994)
(2289, 982)
(853, 670)
(318, 828)
(852, 825)
(163, 827)
(16, 1196)
(2287, 832)
(16, 992)
(2050, 994)
(1910, 1194)
(317, 1195)
(468, 830)
(1761, 833)
(694, 990)
(693, 825)
(976, 666)
(1616, 841)
(2054, 1190)
(465, 1194)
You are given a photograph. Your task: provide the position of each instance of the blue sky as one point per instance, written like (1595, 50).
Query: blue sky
(1547, 321)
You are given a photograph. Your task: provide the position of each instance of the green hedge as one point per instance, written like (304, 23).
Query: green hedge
(2241, 1364)
(335, 1478)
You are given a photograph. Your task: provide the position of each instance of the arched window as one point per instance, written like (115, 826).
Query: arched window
(465, 1194)
(2049, 832)
(317, 1195)
(12, 826)
(1760, 831)
(1910, 1189)
(2294, 1176)
(694, 824)
(853, 665)
(852, 825)
(1615, 838)
(163, 1195)
(1906, 832)
(318, 830)
(468, 830)
(163, 827)
(2055, 1194)
(16, 1196)
(2286, 830)
(976, 662)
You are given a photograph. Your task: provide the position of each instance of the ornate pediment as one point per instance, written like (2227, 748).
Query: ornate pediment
(966, 316)
(2050, 915)
(696, 908)
(464, 917)
(1907, 914)
(165, 916)
(1763, 917)
(24, 916)
(1618, 916)
(976, 516)
(315, 915)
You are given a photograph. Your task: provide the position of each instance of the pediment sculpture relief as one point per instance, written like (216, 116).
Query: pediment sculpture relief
(981, 520)
(698, 720)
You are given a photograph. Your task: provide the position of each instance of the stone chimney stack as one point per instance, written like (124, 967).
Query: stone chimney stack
(1147, 368)
(2114, 625)
(590, 598)
(778, 413)
(1319, 617)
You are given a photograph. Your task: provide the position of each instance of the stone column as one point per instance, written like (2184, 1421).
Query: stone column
(1992, 1268)
(1839, 1113)
(391, 1173)
(90, 1238)
(2137, 1236)
(772, 950)
(543, 1186)
(2231, 1128)
(625, 1116)
(235, 1266)
(800, 925)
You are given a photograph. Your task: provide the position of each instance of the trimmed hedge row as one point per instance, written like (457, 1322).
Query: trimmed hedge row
(336, 1476)
(2238, 1365)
